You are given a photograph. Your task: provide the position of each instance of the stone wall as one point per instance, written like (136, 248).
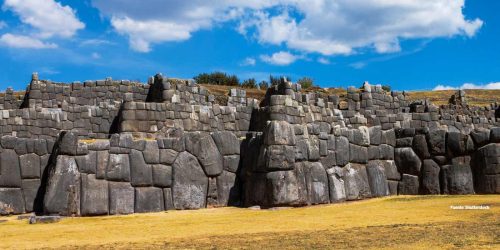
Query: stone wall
(116, 147)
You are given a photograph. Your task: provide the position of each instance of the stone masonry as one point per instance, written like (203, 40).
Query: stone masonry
(120, 147)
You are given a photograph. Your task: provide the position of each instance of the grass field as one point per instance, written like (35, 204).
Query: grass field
(393, 222)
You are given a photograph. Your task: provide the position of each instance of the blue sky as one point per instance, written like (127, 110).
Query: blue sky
(408, 44)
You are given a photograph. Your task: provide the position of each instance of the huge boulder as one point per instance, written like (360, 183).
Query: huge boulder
(121, 198)
(279, 157)
(279, 133)
(10, 171)
(162, 175)
(486, 169)
(377, 179)
(204, 148)
(118, 168)
(407, 161)
(11, 201)
(228, 191)
(457, 178)
(62, 195)
(408, 185)
(420, 147)
(30, 166)
(284, 188)
(227, 142)
(30, 190)
(336, 184)
(148, 199)
(430, 178)
(141, 174)
(436, 140)
(94, 195)
(317, 183)
(189, 188)
(342, 150)
(356, 182)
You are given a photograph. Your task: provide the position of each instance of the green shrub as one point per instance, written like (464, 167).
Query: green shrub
(386, 88)
(217, 78)
(249, 83)
(263, 85)
(305, 82)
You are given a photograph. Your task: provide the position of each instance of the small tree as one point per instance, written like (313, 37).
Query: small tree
(263, 85)
(249, 83)
(273, 80)
(386, 88)
(305, 82)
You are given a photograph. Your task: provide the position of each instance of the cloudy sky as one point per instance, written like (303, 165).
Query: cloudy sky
(409, 44)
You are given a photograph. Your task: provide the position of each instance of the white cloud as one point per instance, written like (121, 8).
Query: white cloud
(96, 55)
(324, 60)
(327, 27)
(95, 42)
(492, 85)
(48, 17)
(249, 61)
(281, 58)
(24, 42)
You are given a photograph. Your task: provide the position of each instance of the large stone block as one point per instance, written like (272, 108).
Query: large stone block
(231, 163)
(102, 164)
(495, 135)
(94, 195)
(118, 167)
(148, 199)
(151, 152)
(62, 195)
(407, 161)
(279, 133)
(457, 144)
(436, 140)
(30, 189)
(87, 163)
(408, 185)
(189, 188)
(30, 166)
(121, 198)
(420, 147)
(203, 147)
(486, 169)
(167, 156)
(10, 170)
(227, 142)
(457, 179)
(11, 201)
(167, 198)
(283, 188)
(375, 135)
(430, 178)
(356, 182)
(141, 173)
(228, 191)
(162, 175)
(358, 154)
(480, 137)
(377, 179)
(69, 144)
(336, 184)
(316, 183)
(279, 157)
(342, 150)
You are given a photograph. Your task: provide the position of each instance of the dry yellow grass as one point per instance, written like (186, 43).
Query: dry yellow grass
(394, 222)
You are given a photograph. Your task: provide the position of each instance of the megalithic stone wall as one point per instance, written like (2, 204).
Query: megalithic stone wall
(116, 147)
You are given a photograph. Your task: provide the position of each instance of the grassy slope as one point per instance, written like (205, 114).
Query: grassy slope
(394, 222)
(476, 97)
